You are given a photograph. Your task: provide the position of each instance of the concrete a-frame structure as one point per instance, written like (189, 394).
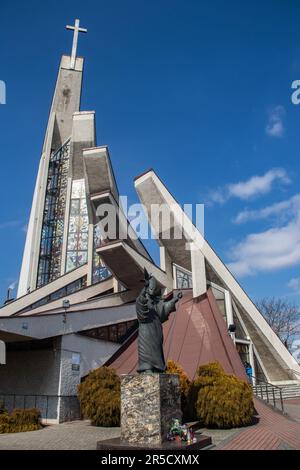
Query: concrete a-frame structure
(75, 308)
(75, 303)
(192, 253)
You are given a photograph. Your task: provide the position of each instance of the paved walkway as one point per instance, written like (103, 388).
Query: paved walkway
(76, 435)
(273, 431)
(292, 408)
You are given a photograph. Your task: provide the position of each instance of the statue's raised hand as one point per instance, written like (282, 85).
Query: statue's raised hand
(147, 278)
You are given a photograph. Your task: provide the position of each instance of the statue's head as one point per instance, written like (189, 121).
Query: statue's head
(153, 287)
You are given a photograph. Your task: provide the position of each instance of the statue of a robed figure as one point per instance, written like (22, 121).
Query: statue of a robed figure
(152, 311)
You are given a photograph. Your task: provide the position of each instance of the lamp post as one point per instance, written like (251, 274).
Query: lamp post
(66, 305)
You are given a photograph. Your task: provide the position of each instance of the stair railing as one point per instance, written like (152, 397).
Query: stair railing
(268, 392)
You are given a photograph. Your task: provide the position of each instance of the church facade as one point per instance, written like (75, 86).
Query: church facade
(75, 307)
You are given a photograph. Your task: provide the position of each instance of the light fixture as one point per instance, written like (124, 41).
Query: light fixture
(231, 328)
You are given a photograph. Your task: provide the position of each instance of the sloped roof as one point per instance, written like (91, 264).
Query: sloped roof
(195, 335)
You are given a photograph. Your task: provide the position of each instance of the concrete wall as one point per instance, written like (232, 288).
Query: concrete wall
(29, 377)
(91, 354)
(48, 378)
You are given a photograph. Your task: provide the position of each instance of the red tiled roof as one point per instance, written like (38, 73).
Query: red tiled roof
(195, 335)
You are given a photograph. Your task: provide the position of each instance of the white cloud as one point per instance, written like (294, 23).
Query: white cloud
(294, 284)
(275, 126)
(283, 209)
(270, 250)
(253, 187)
(13, 285)
(9, 224)
(13, 224)
(217, 196)
(258, 184)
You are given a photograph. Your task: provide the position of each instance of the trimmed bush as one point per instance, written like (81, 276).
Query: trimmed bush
(20, 421)
(100, 397)
(221, 400)
(174, 368)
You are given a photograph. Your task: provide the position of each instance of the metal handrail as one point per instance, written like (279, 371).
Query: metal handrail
(259, 387)
(44, 410)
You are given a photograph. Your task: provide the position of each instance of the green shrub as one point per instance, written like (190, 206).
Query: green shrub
(175, 368)
(5, 423)
(100, 397)
(20, 421)
(220, 400)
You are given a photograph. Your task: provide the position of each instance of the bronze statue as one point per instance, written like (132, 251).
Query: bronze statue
(152, 311)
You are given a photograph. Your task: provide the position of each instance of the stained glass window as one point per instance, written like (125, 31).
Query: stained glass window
(183, 278)
(53, 218)
(77, 244)
(100, 271)
(58, 294)
(117, 333)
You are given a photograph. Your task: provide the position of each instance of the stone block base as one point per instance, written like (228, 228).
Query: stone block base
(149, 403)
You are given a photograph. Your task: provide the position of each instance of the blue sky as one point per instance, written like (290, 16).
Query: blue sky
(200, 91)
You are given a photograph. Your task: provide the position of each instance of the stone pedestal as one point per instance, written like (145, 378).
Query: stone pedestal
(149, 403)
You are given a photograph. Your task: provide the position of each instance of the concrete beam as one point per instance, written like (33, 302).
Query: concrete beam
(2, 353)
(82, 295)
(151, 190)
(128, 265)
(168, 227)
(198, 271)
(83, 136)
(22, 302)
(167, 266)
(121, 229)
(41, 326)
(99, 175)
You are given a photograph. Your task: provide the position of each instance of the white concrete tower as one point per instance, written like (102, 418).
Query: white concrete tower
(52, 247)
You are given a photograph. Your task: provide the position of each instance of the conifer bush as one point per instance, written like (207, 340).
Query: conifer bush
(100, 397)
(20, 421)
(221, 400)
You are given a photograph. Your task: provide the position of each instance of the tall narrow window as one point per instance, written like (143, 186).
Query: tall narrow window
(53, 218)
(183, 278)
(100, 271)
(77, 245)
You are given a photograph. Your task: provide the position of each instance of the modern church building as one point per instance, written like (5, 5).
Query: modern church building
(82, 269)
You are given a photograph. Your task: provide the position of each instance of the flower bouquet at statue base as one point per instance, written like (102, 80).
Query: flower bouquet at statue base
(181, 433)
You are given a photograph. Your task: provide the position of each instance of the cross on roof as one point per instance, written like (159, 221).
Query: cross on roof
(76, 30)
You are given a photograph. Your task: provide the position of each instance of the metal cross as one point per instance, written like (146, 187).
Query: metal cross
(76, 30)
